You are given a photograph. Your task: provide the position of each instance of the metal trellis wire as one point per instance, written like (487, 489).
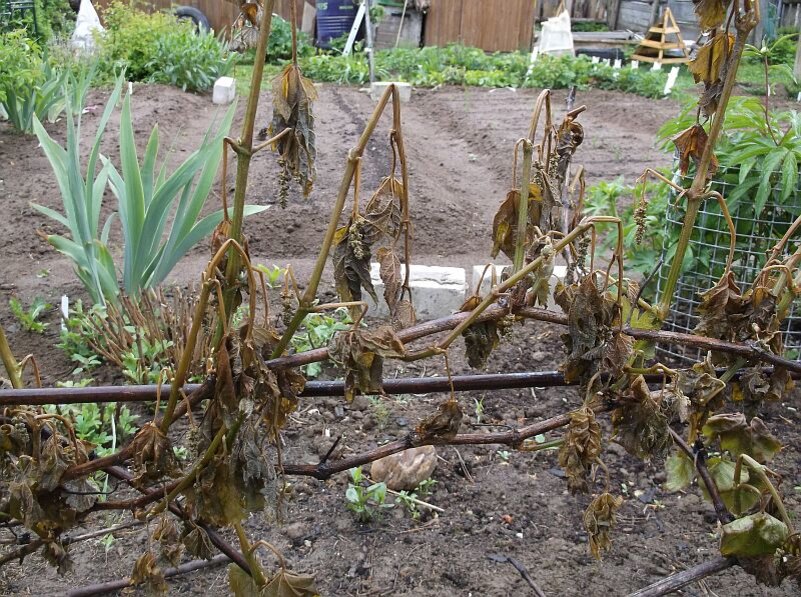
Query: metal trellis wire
(708, 250)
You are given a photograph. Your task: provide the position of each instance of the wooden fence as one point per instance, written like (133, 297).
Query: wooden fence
(493, 25)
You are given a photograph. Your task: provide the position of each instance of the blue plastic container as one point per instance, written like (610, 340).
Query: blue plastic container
(334, 18)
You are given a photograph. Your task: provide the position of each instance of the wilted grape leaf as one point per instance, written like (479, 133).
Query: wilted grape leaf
(52, 463)
(755, 385)
(283, 584)
(390, 272)
(710, 12)
(569, 136)
(57, 556)
(737, 498)
(166, 533)
(504, 224)
(639, 423)
(146, 572)
(152, 454)
(680, 472)
(197, 541)
(590, 316)
(754, 535)
(353, 243)
(480, 340)
(443, 425)
(362, 355)
(293, 95)
(707, 64)
(738, 437)
(216, 495)
(580, 448)
(599, 519)
(690, 144)
(704, 390)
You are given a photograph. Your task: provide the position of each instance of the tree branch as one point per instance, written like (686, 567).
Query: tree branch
(682, 579)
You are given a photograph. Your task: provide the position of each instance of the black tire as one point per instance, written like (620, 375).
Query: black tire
(193, 14)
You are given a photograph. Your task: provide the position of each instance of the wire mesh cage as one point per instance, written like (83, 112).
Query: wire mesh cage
(757, 234)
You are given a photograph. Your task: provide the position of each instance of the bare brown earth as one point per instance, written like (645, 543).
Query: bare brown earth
(459, 144)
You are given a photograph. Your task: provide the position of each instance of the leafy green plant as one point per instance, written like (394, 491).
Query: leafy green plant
(146, 198)
(20, 61)
(190, 59)
(367, 502)
(42, 100)
(105, 425)
(75, 335)
(272, 274)
(279, 45)
(157, 47)
(144, 361)
(317, 330)
(29, 318)
(758, 152)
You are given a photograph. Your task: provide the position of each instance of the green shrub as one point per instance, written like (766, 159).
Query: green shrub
(190, 59)
(131, 39)
(20, 61)
(156, 47)
(279, 45)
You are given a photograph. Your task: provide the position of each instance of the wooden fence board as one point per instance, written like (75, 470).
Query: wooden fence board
(492, 25)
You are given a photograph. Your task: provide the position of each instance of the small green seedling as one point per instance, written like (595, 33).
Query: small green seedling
(504, 455)
(272, 275)
(366, 502)
(30, 319)
(479, 410)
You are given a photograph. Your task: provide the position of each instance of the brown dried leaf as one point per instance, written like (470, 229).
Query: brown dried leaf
(152, 454)
(283, 584)
(480, 340)
(353, 243)
(52, 463)
(599, 519)
(710, 12)
(704, 391)
(197, 541)
(639, 423)
(57, 556)
(146, 572)
(443, 425)
(504, 224)
(707, 64)
(690, 144)
(166, 533)
(215, 496)
(390, 272)
(580, 449)
(362, 355)
(590, 317)
(293, 95)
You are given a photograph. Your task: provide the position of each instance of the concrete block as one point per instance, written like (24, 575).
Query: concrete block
(436, 291)
(224, 91)
(404, 90)
(559, 272)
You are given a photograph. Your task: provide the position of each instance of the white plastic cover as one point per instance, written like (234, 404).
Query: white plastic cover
(87, 22)
(555, 37)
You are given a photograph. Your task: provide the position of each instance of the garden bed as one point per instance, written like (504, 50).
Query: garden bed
(458, 144)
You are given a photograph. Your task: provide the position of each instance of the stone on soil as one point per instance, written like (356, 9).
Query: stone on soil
(405, 470)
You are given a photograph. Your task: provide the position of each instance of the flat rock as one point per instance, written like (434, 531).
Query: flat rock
(405, 470)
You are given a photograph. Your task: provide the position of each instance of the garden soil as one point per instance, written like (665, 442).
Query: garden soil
(459, 144)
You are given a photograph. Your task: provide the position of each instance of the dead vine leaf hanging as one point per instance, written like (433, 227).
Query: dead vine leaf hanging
(146, 572)
(293, 95)
(710, 12)
(504, 224)
(362, 355)
(690, 144)
(580, 449)
(599, 519)
(284, 584)
(443, 425)
(640, 425)
(353, 243)
(708, 63)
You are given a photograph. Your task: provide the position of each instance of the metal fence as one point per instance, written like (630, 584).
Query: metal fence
(14, 12)
(757, 234)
